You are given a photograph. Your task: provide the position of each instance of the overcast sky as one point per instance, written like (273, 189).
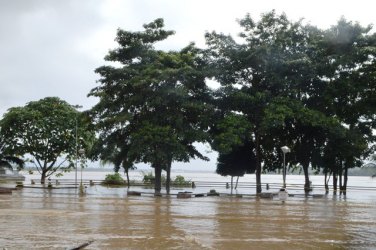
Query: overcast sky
(51, 47)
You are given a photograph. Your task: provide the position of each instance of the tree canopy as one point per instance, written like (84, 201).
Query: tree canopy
(7, 159)
(282, 83)
(46, 131)
(152, 105)
(297, 85)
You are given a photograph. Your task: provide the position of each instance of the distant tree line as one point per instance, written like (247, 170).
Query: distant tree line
(281, 83)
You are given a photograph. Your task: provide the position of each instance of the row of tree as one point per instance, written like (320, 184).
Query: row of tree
(301, 86)
(282, 83)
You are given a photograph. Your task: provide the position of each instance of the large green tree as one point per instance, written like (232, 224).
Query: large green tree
(239, 161)
(46, 131)
(230, 138)
(346, 53)
(154, 99)
(260, 70)
(299, 86)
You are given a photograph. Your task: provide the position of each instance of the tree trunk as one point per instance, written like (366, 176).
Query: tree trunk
(307, 184)
(345, 178)
(340, 166)
(334, 182)
(258, 164)
(126, 172)
(157, 184)
(340, 180)
(168, 177)
(237, 180)
(43, 177)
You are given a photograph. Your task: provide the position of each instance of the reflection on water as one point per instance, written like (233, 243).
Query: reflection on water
(60, 219)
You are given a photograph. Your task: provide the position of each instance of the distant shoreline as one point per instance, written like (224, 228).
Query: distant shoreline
(364, 171)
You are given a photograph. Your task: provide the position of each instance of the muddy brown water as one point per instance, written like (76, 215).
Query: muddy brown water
(61, 219)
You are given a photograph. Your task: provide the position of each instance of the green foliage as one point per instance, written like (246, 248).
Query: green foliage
(284, 83)
(150, 108)
(296, 85)
(113, 179)
(239, 161)
(45, 129)
(181, 181)
(230, 132)
(8, 161)
(8, 157)
(149, 178)
(256, 72)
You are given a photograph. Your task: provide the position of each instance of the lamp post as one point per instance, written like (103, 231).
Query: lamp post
(285, 150)
(75, 176)
(81, 152)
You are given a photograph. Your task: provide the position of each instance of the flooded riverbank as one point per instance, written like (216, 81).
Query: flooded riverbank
(61, 219)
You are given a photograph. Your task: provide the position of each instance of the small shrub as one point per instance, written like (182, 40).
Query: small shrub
(113, 179)
(149, 178)
(180, 181)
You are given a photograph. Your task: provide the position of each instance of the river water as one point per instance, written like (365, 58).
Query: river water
(35, 218)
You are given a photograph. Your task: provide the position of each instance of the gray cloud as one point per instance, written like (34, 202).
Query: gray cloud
(39, 53)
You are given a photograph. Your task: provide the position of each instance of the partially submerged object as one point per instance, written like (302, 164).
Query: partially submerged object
(184, 195)
(5, 190)
(282, 194)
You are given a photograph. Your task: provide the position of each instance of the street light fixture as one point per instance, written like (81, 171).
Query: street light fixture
(285, 150)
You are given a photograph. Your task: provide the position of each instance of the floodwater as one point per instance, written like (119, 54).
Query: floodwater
(34, 218)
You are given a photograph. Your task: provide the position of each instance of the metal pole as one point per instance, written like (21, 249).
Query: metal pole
(81, 174)
(75, 179)
(81, 152)
(82, 190)
(284, 170)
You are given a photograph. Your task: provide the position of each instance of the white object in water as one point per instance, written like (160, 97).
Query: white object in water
(282, 194)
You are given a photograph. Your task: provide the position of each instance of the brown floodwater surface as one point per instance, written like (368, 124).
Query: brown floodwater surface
(61, 219)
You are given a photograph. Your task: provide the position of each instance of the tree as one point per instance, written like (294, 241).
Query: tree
(299, 86)
(304, 129)
(230, 137)
(112, 149)
(7, 159)
(153, 100)
(238, 162)
(260, 69)
(347, 53)
(46, 130)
